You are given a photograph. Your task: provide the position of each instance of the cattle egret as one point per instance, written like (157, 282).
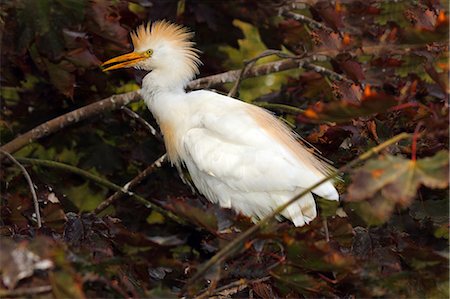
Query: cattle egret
(238, 155)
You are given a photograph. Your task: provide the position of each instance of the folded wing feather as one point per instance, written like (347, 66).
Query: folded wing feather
(241, 156)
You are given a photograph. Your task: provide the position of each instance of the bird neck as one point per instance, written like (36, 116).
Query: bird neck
(164, 80)
(168, 105)
(161, 92)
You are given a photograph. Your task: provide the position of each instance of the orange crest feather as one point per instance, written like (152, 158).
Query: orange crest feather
(163, 31)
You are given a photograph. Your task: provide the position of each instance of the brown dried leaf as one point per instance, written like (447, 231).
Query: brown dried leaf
(349, 66)
(62, 77)
(83, 58)
(107, 22)
(263, 290)
(345, 110)
(329, 13)
(18, 262)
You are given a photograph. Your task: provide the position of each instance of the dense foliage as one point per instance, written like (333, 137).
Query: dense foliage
(374, 69)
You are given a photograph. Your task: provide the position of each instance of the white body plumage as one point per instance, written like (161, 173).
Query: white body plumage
(238, 155)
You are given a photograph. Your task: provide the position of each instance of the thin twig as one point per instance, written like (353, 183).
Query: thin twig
(306, 20)
(238, 242)
(325, 228)
(248, 64)
(25, 292)
(296, 284)
(103, 182)
(30, 184)
(117, 101)
(56, 124)
(326, 72)
(237, 83)
(130, 185)
(233, 75)
(231, 288)
(304, 62)
(414, 141)
(279, 107)
(142, 121)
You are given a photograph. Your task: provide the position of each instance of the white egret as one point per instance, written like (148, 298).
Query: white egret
(238, 155)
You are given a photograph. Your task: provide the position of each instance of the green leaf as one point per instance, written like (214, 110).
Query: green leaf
(155, 218)
(327, 207)
(442, 231)
(84, 198)
(398, 178)
(392, 11)
(65, 285)
(392, 180)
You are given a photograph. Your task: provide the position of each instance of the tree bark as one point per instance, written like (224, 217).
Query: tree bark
(117, 101)
(112, 103)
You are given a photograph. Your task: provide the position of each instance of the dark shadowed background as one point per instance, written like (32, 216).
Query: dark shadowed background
(369, 71)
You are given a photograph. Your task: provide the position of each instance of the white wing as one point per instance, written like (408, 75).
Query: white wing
(235, 161)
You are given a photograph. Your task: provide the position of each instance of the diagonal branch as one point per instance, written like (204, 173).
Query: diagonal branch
(111, 103)
(238, 242)
(249, 65)
(233, 75)
(30, 184)
(231, 288)
(25, 292)
(117, 101)
(279, 107)
(306, 20)
(142, 121)
(103, 182)
(130, 185)
(326, 72)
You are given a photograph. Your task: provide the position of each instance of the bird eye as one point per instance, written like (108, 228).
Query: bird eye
(149, 52)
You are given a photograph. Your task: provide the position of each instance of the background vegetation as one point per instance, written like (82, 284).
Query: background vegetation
(369, 70)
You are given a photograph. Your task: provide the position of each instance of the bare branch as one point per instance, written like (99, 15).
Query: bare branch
(117, 101)
(238, 242)
(231, 76)
(325, 228)
(326, 72)
(279, 107)
(142, 121)
(30, 184)
(250, 63)
(237, 83)
(231, 288)
(130, 185)
(25, 292)
(111, 103)
(306, 20)
(103, 182)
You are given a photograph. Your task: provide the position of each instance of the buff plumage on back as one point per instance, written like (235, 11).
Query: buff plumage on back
(165, 32)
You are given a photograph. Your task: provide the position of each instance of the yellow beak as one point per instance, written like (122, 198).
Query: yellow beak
(123, 61)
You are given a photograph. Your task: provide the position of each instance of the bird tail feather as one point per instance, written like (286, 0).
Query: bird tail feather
(300, 212)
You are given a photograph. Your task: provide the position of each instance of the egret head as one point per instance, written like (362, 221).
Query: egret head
(160, 46)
